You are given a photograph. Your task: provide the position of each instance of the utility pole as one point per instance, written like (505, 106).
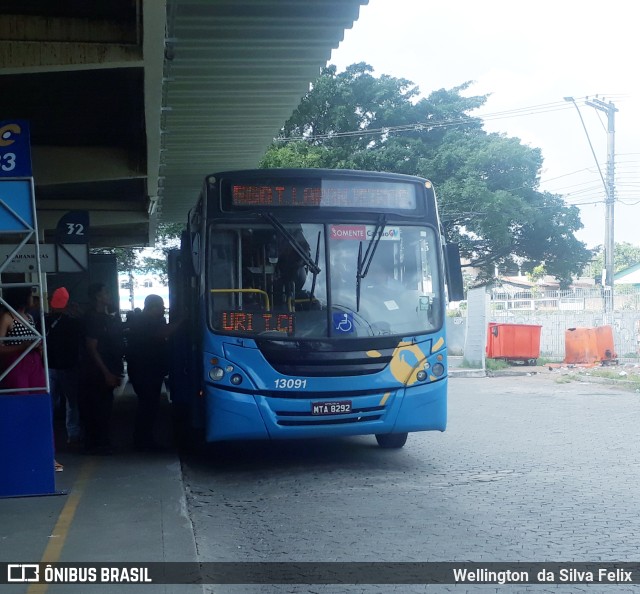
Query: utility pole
(609, 243)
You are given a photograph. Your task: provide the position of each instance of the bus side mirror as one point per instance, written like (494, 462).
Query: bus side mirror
(455, 286)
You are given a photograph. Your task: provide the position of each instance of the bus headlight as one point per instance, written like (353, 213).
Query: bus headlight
(421, 375)
(437, 369)
(216, 373)
(236, 379)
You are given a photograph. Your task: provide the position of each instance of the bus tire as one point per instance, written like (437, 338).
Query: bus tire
(391, 440)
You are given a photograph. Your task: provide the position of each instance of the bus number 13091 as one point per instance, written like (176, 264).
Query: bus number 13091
(291, 384)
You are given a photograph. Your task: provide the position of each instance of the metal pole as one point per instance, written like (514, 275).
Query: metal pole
(611, 132)
(609, 240)
(609, 188)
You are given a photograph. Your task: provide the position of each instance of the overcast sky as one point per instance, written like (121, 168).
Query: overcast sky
(528, 56)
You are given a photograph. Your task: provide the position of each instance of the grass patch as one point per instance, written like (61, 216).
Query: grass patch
(606, 374)
(469, 364)
(542, 361)
(496, 364)
(612, 377)
(629, 379)
(565, 379)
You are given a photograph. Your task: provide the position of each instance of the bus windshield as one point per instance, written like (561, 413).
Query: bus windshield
(301, 280)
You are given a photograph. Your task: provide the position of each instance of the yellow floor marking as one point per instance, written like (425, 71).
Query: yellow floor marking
(60, 532)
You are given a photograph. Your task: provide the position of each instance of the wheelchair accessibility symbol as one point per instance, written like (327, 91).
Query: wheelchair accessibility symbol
(343, 322)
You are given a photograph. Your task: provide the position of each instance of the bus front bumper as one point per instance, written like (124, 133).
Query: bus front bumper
(235, 415)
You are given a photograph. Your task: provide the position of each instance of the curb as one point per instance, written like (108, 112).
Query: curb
(467, 373)
(514, 372)
(477, 373)
(457, 372)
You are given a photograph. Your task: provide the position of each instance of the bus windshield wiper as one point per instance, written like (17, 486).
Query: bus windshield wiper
(294, 243)
(315, 275)
(365, 262)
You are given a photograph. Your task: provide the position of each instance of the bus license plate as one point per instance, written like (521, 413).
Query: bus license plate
(331, 408)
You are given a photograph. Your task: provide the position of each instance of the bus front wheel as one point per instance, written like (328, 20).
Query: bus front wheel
(391, 440)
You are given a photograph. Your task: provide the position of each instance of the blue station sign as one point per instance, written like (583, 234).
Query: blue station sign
(15, 149)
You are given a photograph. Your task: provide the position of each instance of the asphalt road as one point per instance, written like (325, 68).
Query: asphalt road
(529, 469)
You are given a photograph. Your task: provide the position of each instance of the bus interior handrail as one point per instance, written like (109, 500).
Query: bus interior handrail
(260, 291)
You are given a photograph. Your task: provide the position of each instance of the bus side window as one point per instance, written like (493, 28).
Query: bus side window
(221, 269)
(256, 270)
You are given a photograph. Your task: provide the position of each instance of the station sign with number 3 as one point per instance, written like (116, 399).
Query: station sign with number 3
(15, 149)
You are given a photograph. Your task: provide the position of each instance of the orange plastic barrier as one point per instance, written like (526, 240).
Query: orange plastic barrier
(604, 344)
(580, 346)
(515, 342)
(589, 345)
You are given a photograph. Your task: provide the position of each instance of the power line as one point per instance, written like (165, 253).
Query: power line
(564, 175)
(593, 152)
(433, 124)
(540, 108)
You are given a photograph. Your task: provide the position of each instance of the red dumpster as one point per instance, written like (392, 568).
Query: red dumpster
(514, 342)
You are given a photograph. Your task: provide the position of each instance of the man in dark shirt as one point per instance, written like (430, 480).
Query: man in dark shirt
(64, 334)
(103, 369)
(147, 366)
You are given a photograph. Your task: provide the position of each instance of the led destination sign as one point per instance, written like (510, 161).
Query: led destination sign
(256, 322)
(329, 193)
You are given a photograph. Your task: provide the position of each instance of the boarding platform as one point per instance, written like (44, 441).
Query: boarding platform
(126, 507)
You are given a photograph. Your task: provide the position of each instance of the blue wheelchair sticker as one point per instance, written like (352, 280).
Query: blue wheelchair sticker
(343, 323)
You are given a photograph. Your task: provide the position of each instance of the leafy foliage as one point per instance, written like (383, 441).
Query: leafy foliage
(488, 184)
(126, 258)
(625, 255)
(132, 259)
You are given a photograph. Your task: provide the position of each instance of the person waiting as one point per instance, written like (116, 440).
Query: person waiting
(64, 335)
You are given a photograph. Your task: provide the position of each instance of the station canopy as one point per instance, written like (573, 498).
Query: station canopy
(131, 103)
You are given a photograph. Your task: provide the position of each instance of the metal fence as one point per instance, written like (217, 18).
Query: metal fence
(558, 311)
(589, 299)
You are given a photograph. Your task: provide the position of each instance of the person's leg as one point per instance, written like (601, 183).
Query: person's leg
(148, 390)
(88, 399)
(70, 388)
(54, 389)
(104, 409)
(32, 375)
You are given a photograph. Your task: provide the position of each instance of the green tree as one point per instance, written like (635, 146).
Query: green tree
(132, 260)
(488, 184)
(536, 274)
(126, 261)
(625, 255)
(167, 238)
(126, 258)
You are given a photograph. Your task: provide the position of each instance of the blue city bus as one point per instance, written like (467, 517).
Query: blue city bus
(313, 305)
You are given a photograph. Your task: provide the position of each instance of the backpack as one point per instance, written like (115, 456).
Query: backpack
(64, 334)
